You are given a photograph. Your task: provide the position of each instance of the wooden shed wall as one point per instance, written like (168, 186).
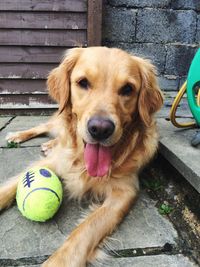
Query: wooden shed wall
(34, 34)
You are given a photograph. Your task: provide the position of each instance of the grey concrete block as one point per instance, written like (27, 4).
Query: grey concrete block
(176, 148)
(119, 24)
(179, 58)
(186, 4)
(21, 123)
(155, 52)
(168, 83)
(165, 26)
(198, 31)
(182, 80)
(153, 261)
(140, 3)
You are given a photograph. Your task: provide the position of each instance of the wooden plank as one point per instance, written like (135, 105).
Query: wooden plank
(25, 100)
(27, 54)
(94, 32)
(13, 86)
(25, 71)
(28, 111)
(43, 37)
(44, 5)
(43, 20)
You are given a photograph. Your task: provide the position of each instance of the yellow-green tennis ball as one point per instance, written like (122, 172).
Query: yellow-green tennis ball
(39, 194)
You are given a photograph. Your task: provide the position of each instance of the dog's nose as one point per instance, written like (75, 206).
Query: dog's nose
(100, 128)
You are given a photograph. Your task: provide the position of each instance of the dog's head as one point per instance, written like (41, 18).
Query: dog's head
(106, 88)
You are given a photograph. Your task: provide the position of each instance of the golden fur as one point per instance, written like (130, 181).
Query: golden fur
(133, 142)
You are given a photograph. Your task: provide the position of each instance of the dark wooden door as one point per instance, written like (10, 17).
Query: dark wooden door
(34, 34)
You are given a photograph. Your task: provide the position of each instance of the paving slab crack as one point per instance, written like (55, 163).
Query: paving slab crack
(60, 230)
(7, 123)
(169, 249)
(20, 146)
(23, 261)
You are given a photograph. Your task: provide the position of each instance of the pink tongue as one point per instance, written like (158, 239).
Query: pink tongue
(97, 159)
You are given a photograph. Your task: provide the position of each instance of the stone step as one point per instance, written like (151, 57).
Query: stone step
(175, 146)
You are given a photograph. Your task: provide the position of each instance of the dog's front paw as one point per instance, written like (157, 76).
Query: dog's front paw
(47, 147)
(14, 137)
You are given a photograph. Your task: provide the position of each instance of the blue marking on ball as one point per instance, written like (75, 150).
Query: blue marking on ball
(28, 179)
(45, 173)
(40, 188)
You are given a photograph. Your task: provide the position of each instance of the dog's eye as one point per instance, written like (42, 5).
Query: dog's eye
(83, 83)
(126, 90)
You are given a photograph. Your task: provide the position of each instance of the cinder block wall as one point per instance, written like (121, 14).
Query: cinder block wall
(165, 31)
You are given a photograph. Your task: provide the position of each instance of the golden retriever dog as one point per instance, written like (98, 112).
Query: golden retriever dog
(106, 132)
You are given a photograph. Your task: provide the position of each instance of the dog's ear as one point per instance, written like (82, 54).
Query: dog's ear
(150, 96)
(58, 82)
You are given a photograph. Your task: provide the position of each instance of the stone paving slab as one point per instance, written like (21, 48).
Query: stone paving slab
(24, 266)
(21, 123)
(143, 227)
(145, 261)
(3, 121)
(152, 261)
(15, 160)
(176, 148)
(46, 237)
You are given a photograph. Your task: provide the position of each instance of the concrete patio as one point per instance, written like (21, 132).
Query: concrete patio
(145, 238)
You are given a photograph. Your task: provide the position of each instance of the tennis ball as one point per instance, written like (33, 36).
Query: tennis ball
(39, 194)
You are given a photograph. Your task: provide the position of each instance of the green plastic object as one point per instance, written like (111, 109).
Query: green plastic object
(193, 84)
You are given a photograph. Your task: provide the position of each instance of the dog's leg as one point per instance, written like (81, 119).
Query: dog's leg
(85, 238)
(7, 193)
(22, 136)
(44, 128)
